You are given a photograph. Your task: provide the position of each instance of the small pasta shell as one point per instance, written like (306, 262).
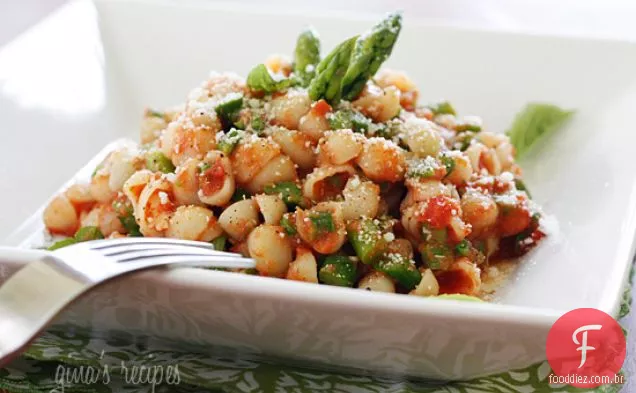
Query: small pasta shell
(193, 223)
(382, 160)
(428, 286)
(272, 208)
(155, 207)
(288, 109)
(80, 196)
(423, 190)
(238, 219)
(462, 277)
(313, 124)
(324, 243)
(280, 169)
(271, 249)
(304, 267)
(423, 138)
(216, 183)
(108, 220)
(250, 157)
(362, 199)
(60, 216)
(478, 210)
(341, 146)
(462, 170)
(151, 127)
(326, 181)
(136, 184)
(379, 104)
(297, 145)
(377, 282)
(186, 183)
(491, 139)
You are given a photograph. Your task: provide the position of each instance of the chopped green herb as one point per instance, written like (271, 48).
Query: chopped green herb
(289, 192)
(62, 243)
(288, 226)
(533, 123)
(219, 243)
(204, 166)
(85, 234)
(338, 270)
(251, 271)
(322, 222)
(156, 161)
(260, 79)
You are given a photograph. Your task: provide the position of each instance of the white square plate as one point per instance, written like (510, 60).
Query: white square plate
(584, 176)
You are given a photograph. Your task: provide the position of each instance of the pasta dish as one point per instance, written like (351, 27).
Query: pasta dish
(323, 169)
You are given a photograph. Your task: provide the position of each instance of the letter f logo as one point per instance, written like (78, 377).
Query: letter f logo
(584, 347)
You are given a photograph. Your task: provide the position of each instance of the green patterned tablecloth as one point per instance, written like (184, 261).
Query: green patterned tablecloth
(64, 356)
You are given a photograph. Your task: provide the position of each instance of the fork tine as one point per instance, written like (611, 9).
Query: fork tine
(128, 248)
(193, 261)
(143, 254)
(109, 243)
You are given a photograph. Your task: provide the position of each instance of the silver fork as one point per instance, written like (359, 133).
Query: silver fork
(51, 281)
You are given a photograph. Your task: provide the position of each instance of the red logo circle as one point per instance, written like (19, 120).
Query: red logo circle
(585, 348)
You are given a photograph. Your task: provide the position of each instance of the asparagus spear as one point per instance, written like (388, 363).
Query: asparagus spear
(306, 56)
(370, 51)
(329, 73)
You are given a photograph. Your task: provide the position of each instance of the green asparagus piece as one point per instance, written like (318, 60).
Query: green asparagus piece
(370, 51)
(259, 79)
(229, 108)
(130, 224)
(240, 195)
(288, 225)
(367, 240)
(306, 56)
(322, 222)
(156, 161)
(219, 243)
(289, 192)
(85, 234)
(338, 270)
(463, 248)
(327, 83)
(62, 243)
(400, 268)
(437, 255)
(442, 108)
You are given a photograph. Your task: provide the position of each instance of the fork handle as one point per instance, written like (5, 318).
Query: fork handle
(20, 256)
(30, 299)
